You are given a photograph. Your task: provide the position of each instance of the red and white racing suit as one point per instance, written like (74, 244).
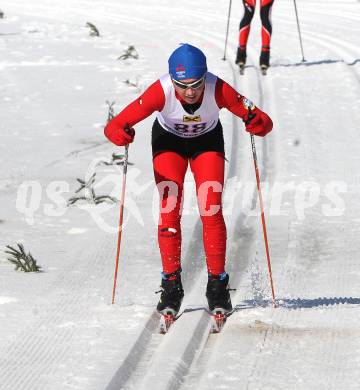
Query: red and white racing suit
(185, 135)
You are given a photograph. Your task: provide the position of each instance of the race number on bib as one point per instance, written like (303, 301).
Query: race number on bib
(190, 129)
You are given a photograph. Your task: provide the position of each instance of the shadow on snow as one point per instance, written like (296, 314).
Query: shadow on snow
(298, 303)
(308, 63)
(287, 303)
(320, 62)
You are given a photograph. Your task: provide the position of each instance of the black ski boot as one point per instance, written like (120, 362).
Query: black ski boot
(241, 56)
(264, 60)
(217, 292)
(172, 293)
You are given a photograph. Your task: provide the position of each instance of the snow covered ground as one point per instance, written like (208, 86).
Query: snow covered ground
(58, 327)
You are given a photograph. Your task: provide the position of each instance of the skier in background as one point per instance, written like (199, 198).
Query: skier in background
(266, 30)
(187, 131)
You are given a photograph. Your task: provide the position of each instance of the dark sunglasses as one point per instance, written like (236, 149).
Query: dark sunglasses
(194, 85)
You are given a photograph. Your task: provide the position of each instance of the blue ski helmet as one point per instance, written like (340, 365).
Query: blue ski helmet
(187, 62)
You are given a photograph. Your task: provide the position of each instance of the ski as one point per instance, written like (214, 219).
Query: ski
(168, 317)
(218, 319)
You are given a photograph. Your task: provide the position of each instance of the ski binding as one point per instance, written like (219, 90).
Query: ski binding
(241, 67)
(218, 320)
(263, 69)
(168, 316)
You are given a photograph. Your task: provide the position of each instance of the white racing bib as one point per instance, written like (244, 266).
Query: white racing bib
(176, 120)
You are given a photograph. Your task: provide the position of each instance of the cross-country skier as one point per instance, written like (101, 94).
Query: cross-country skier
(266, 30)
(187, 131)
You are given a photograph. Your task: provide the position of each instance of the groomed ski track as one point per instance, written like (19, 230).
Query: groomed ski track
(310, 341)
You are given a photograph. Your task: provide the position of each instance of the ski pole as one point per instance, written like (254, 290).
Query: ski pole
(262, 211)
(121, 218)
(298, 25)
(227, 30)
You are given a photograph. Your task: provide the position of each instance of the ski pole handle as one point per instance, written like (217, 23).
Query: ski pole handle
(129, 130)
(250, 116)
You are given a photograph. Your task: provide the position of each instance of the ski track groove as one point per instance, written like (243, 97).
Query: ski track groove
(131, 379)
(347, 52)
(309, 19)
(343, 49)
(255, 368)
(140, 357)
(109, 16)
(143, 348)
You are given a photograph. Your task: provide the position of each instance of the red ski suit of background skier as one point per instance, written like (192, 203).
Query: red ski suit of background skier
(174, 151)
(266, 28)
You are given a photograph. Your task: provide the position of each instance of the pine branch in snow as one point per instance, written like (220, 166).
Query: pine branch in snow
(111, 112)
(131, 83)
(116, 159)
(22, 260)
(93, 198)
(130, 52)
(94, 32)
(87, 184)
